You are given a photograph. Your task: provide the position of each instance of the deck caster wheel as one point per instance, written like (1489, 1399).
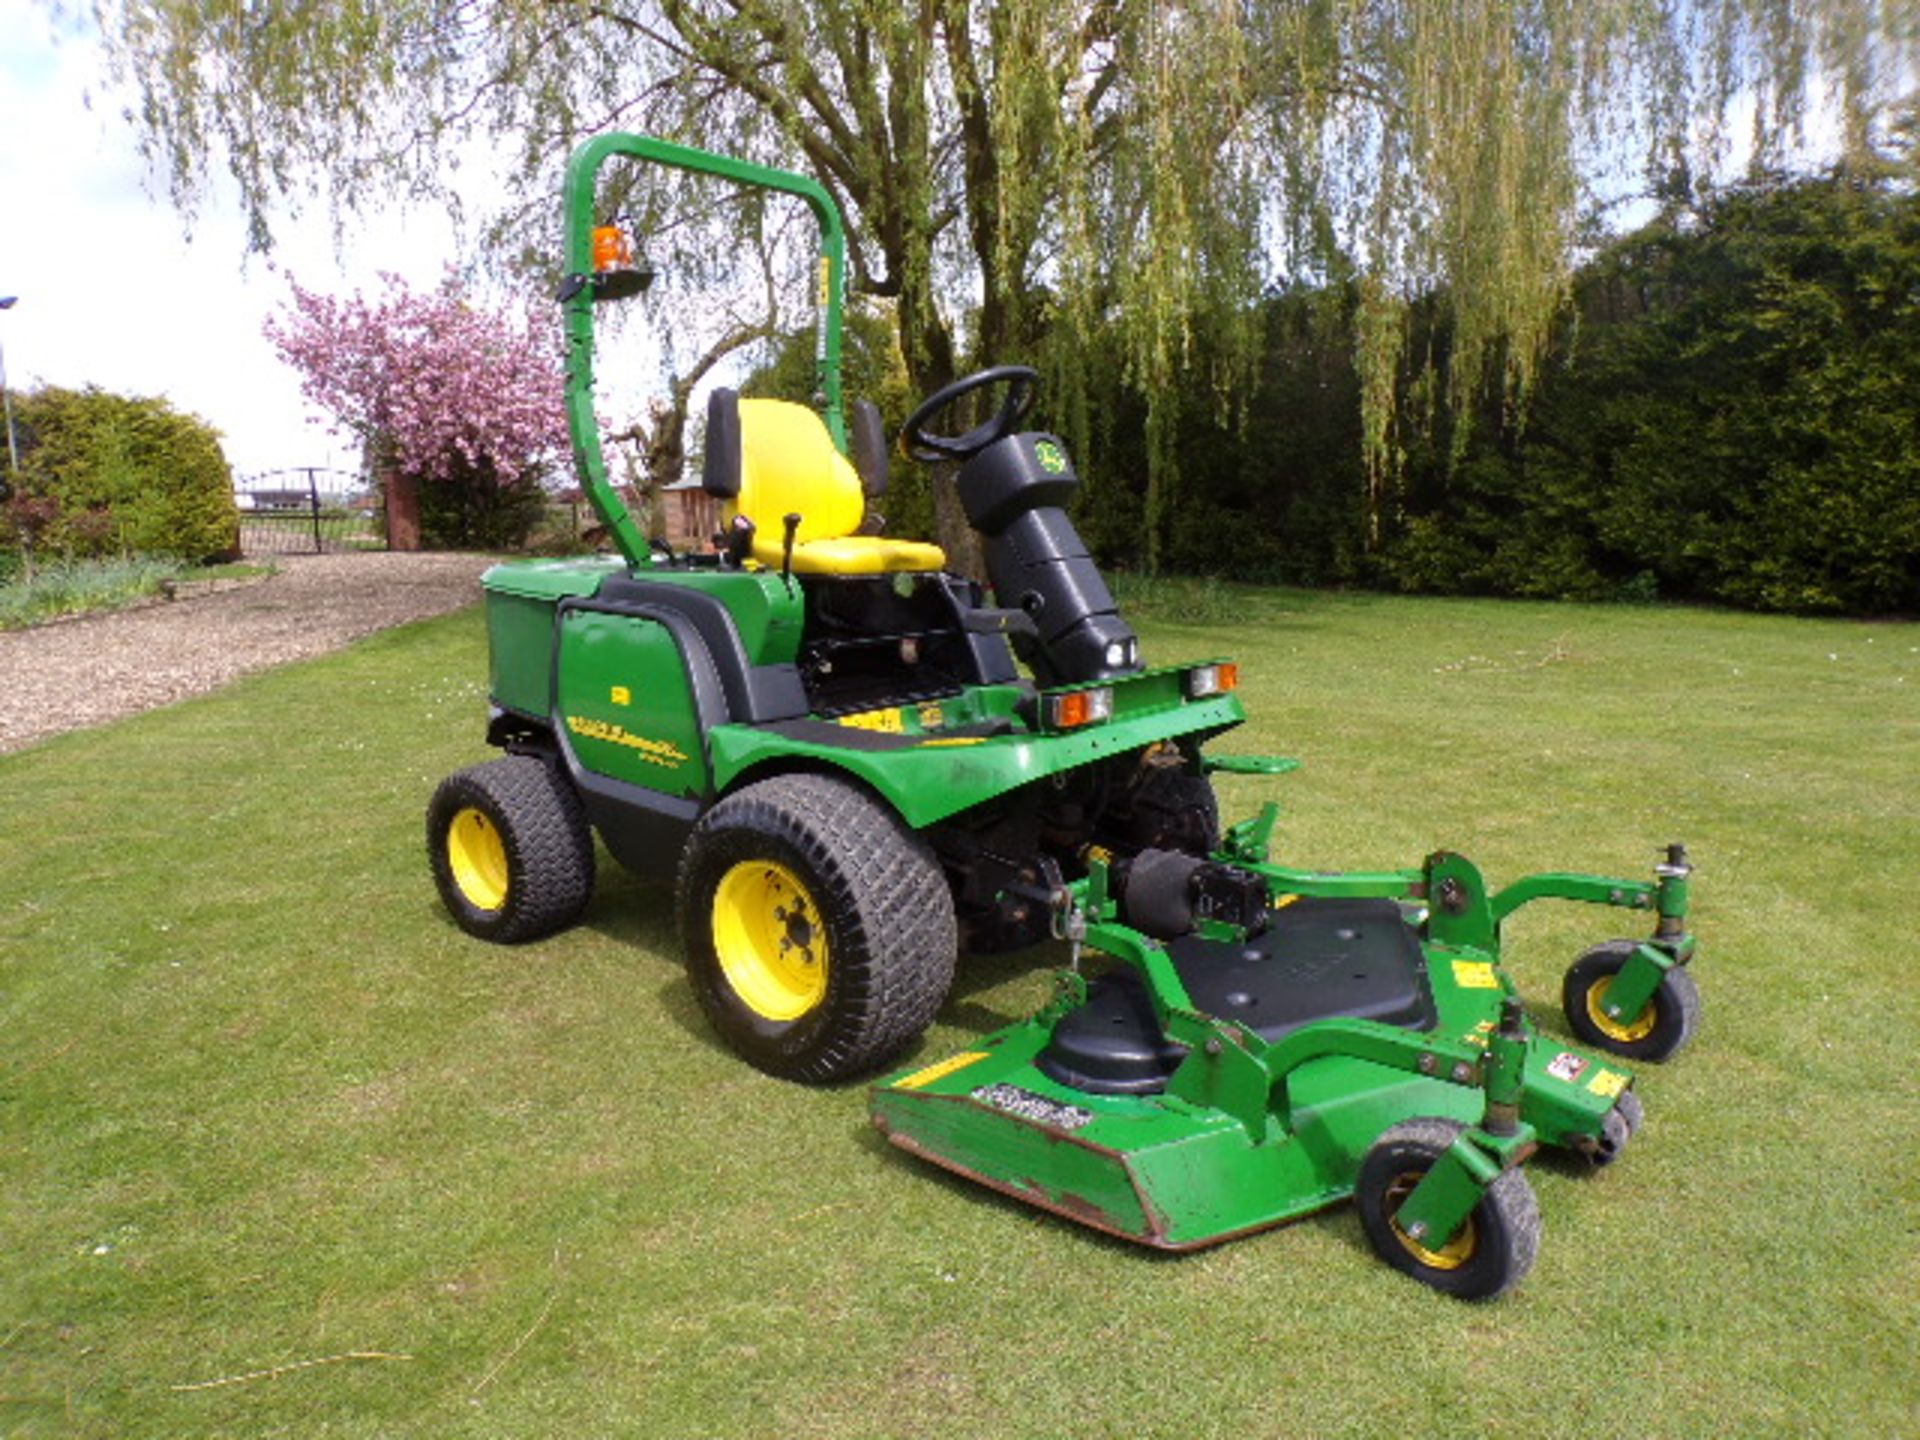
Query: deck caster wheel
(511, 852)
(1664, 1025)
(1616, 1131)
(1493, 1250)
(819, 930)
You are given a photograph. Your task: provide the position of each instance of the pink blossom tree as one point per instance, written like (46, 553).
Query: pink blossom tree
(468, 401)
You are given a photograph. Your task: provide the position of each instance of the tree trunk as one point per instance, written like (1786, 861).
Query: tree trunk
(403, 509)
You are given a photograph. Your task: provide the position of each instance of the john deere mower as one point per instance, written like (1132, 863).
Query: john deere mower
(857, 766)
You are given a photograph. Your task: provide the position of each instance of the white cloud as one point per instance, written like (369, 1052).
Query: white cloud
(113, 293)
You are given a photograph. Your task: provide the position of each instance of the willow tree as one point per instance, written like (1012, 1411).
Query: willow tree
(1021, 174)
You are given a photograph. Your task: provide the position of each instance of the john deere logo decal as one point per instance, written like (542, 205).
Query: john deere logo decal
(1051, 458)
(654, 752)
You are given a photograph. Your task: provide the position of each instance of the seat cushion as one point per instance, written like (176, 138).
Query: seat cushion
(851, 555)
(772, 458)
(788, 465)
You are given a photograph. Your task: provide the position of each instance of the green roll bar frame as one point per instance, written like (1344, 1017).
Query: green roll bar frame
(577, 300)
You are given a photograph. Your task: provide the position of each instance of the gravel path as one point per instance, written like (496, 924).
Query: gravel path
(78, 673)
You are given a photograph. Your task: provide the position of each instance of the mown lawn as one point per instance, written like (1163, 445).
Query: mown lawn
(283, 1152)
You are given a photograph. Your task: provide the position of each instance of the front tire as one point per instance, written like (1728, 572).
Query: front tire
(818, 928)
(1494, 1248)
(510, 849)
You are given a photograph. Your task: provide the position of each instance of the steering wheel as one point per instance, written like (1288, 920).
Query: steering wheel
(1021, 381)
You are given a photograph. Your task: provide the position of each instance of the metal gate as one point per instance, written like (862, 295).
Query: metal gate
(309, 510)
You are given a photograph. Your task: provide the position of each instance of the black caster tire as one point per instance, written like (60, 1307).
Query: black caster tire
(1494, 1249)
(1664, 1026)
(1623, 1122)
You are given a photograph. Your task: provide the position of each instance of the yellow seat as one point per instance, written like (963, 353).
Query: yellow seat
(772, 458)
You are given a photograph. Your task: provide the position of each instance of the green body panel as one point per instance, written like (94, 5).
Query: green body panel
(928, 777)
(767, 611)
(625, 703)
(520, 600)
(550, 580)
(520, 653)
(523, 598)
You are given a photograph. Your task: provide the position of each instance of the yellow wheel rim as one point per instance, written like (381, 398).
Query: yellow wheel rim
(478, 858)
(1450, 1256)
(1621, 1032)
(770, 939)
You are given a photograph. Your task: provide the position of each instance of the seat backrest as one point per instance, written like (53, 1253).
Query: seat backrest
(771, 458)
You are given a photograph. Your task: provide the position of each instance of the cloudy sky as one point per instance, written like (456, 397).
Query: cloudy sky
(113, 293)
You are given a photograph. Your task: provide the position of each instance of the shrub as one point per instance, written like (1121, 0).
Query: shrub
(462, 512)
(122, 475)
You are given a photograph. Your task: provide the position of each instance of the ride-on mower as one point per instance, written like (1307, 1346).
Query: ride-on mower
(858, 765)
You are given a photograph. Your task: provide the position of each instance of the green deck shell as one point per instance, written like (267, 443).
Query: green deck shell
(1247, 1133)
(1156, 1169)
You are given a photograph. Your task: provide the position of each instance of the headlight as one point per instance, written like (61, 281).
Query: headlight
(1204, 680)
(1077, 708)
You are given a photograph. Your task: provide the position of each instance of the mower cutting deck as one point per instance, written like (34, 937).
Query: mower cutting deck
(1256, 1061)
(855, 766)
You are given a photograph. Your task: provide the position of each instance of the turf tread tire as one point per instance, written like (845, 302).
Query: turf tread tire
(891, 932)
(550, 862)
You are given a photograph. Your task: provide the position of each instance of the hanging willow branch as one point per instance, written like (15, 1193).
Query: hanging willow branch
(1023, 176)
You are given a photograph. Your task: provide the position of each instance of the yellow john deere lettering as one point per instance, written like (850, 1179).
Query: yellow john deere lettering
(656, 752)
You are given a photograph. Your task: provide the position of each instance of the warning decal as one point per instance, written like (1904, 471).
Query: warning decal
(1567, 1066)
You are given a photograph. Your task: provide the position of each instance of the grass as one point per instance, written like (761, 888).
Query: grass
(77, 587)
(263, 1109)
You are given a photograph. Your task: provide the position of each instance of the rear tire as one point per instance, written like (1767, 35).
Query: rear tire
(1494, 1248)
(510, 849)
(818, 928)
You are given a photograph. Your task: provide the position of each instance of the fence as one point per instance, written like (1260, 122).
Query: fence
(309, 510)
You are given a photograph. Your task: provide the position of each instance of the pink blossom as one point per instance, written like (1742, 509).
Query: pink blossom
(454, 389)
